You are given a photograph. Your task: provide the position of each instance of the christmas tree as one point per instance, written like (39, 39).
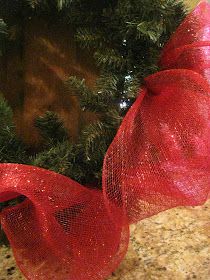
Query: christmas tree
(124, 38)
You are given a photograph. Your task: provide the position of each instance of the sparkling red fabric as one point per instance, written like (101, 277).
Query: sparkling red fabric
(159, 159)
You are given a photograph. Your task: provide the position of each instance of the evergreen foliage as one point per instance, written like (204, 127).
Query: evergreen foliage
(11, 149)
(3, 35)
(125, 37)
(51, 128)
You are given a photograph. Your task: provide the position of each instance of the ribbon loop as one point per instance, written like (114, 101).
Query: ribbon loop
(159, 159)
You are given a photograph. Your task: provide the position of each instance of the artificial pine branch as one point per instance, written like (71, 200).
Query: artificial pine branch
(59, 158)
(89, 38)
(33, 3)
(61, 4)
(51, 128)
(88, 98)
(78, 86)
(91, 140)
(107, 84)
(125, 38)
(110, 59)
(3, 35)
(11, 148)
(3, 27)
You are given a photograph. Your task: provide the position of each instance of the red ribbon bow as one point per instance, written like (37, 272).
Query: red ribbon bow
(159, 159)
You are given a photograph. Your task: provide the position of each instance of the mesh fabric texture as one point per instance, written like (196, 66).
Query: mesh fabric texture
(159, 159)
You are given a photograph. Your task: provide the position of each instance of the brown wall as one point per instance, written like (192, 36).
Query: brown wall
(33, 81)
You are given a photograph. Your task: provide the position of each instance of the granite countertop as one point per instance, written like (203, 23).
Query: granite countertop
(173, 245)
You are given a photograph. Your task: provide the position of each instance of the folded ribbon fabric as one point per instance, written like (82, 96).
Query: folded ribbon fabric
(159, 159)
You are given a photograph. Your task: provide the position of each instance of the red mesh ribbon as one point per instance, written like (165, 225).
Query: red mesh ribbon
(159, 159)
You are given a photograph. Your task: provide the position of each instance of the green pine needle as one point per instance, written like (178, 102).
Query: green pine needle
(11, 148)
(51, 128)
(110, 58)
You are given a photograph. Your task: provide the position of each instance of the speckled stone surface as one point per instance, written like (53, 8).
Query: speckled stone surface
(174, 245)
(191, 3)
